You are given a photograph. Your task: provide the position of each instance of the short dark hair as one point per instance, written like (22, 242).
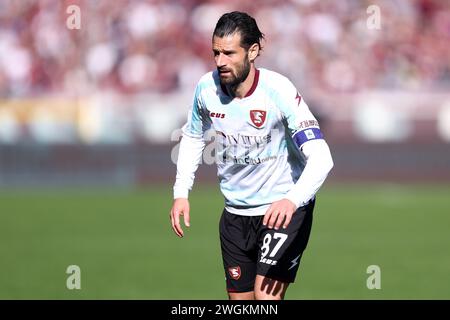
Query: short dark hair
(241, 22)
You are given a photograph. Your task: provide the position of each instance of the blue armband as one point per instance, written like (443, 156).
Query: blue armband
(300, 137)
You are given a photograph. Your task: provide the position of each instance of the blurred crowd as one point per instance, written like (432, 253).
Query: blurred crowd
(164, 46)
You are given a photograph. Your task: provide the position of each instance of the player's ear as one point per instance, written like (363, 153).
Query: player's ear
(253, 52)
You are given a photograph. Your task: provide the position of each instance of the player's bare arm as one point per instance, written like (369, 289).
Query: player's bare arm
(180, 208)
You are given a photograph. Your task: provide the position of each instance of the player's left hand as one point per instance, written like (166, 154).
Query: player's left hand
(279, 212)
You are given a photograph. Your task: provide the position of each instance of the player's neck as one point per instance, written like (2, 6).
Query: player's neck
(244, 87)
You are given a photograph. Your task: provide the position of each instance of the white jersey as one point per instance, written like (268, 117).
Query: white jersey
(258, 141)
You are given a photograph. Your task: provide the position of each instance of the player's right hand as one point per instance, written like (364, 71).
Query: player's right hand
(180, 208)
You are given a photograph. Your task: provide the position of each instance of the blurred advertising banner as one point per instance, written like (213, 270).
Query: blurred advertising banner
(100, 119)
(369, 117)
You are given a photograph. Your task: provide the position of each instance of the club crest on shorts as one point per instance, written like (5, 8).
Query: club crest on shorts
(258, 117)
(235, 272)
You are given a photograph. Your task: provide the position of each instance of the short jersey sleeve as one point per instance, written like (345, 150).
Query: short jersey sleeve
(198, 120)
(302, 124)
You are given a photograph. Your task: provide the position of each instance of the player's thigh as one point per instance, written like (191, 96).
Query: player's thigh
(269, 289)
(241, 295)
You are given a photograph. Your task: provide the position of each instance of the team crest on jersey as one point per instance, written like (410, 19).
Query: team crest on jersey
(235, 272)
(258, 117)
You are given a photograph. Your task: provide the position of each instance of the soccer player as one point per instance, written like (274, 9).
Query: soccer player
(271, 160)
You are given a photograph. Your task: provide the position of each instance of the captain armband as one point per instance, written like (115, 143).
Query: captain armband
(302, 136)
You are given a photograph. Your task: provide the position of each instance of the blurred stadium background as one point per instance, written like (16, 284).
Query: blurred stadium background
(89, 119)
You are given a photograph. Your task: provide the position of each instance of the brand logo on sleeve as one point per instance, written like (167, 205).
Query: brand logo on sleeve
(258, 117)
(299, 98)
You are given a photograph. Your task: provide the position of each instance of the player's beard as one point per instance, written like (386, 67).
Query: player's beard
(237, 77)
